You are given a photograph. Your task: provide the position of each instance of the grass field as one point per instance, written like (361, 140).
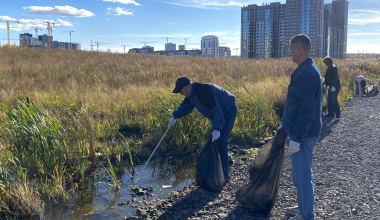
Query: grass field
(60, 107)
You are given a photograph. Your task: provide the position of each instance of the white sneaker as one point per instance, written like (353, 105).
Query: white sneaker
(297, 217)
(292, 210)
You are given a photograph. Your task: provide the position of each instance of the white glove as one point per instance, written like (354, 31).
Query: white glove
(171, 122)
(294, 147)
(333, 89)
(215, 135)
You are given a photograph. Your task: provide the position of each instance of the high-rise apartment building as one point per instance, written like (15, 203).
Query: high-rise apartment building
(305, 17)
(210, 46)
(263, 30)
(44, 40)
(26, 39)
(335, 29)
(181, 47)
(224, 52)
(266, 30)
(170, 46)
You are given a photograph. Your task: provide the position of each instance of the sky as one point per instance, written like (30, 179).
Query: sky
(130, 22)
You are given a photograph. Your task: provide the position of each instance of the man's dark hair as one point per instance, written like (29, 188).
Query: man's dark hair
(328, 61)
(303, 40)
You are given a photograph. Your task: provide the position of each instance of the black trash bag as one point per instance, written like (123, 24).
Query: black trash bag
(260, 194)
(209, 171)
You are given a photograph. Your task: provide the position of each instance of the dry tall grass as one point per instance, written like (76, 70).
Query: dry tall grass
(117, 87)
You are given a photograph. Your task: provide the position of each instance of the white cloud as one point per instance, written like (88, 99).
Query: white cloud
(363, 17)
(7, 18)
(63, 23)
(123, 1)
(118, 11)
(121, 11)
(213, 4)
(30, 23)
(65, 11)
(108, 12)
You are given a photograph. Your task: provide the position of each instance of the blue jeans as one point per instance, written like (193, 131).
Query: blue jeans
(229, 118)
(332, 101)
(357, 88)
(302, 162)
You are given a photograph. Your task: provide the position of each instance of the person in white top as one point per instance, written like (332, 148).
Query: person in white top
(360, 84)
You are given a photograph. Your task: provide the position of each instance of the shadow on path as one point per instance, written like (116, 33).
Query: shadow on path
(192, 203)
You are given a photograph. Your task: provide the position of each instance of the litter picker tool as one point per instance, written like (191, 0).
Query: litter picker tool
(152, 154)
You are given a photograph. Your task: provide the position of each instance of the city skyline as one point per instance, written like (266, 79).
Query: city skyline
(129, 22)
(267, 29)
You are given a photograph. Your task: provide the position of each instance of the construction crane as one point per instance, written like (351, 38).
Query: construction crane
(99, 43)
(8, 27)
(167, 38)
(125, 46)
(92, 46)
(236, 50)
(50, 33)
(8, 40)
(146, 43)
(70, 37)
(186, 42)
(49, 29)
(36, 29)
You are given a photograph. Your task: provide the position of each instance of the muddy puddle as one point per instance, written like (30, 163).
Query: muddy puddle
(104, 202)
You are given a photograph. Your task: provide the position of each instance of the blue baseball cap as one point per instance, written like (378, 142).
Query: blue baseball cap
(181, 82)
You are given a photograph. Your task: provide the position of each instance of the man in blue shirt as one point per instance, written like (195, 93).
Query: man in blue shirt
(216, 104)
(302, 121)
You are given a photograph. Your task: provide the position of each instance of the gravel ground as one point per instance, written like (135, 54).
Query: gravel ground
(346, 176)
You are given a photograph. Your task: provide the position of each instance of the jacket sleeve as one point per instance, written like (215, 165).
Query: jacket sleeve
(184, 109)
(218, 117)
(334, 76)
(306, 88)
(327, 77)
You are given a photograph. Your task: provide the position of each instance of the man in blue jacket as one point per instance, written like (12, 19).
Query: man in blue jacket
(216, 104)
(302, 121)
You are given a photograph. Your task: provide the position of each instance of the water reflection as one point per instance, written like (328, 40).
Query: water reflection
(102, 201)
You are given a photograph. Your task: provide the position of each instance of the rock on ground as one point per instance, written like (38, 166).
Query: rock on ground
(346, 176)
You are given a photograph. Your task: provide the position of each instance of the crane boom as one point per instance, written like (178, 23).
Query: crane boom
(99, 43)
(186, 42)
(167, 38)
(70, 38)
(125, 46)
(146, 43)
(8, 27)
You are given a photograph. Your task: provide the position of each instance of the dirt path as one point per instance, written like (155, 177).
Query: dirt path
(346, 176)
